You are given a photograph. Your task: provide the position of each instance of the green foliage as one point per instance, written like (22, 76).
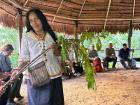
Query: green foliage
(98, 44)
(81, 52)
(14, 59)
(86, 35)
(94, 38)
(8, 35)
(89, 69)
(81, 55)
(64, 44)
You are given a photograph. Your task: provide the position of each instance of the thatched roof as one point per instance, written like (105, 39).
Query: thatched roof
(87, 15)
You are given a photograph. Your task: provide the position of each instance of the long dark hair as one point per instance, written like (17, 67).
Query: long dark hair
(43, 19)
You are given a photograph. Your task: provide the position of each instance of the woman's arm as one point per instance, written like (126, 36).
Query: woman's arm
(1, 87)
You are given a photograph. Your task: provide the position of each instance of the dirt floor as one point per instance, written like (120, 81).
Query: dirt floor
(120, 87)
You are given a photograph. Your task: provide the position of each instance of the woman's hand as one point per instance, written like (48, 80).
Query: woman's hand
(2, 90)
(14, 73)
(56, 48)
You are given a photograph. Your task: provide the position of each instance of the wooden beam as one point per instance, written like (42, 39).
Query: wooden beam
(17, 5)
(57, 10)
(107, 13)
(82, 8)
(87, 19)
(56, 4)
(7, 12)
(130, 31)
(133, 9)
(130, 34)
(6, 4)
(25, 3)
(86, 25)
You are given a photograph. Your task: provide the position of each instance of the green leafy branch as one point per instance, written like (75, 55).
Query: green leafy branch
(81, 52)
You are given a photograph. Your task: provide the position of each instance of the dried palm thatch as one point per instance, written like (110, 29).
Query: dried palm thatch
(86, 15)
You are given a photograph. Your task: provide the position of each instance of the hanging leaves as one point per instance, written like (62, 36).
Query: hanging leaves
(98, 44)
(81, 53)
(89, 69)
(64, 44)
(104, 34)
(86, 35)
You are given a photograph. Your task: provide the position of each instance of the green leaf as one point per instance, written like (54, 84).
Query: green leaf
(89, 70)
(98, 44)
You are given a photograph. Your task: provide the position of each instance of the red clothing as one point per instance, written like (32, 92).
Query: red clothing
(97, 64)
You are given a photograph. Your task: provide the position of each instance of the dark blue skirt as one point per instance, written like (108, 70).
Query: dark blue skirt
(48, 94)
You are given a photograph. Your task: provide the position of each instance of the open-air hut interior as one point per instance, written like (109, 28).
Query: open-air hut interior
(72, 16)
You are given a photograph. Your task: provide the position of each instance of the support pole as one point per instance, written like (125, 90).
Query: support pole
(20, 29)
(76, 39)
(130, 34)
(76, 29)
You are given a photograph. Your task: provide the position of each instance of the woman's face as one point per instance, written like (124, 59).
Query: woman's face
(35, 22)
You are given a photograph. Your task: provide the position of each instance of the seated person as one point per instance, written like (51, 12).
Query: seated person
(5, 67)
(110, 56)
(69, 63)
(92, 53)
(78, 69)
(93, 56)
(124, 55)
(97, 64)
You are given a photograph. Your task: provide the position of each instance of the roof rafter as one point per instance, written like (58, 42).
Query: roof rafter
(133, 9)
(25, 3)
(82, 8)
(8, 5)
(85, 19)
(58, 10)
(107, 13)
(17, 5)
(7, 12)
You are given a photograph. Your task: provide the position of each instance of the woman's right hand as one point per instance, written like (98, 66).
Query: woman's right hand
(2, 90)
(57, 49)
(14, 73)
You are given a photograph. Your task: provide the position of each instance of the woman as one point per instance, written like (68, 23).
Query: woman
(40, 36)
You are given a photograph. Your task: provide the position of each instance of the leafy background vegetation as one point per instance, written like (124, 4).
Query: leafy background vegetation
(9, 35)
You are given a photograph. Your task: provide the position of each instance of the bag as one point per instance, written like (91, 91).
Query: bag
(39, 75)
(133, 63)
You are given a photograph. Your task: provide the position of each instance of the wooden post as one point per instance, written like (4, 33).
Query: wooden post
(76, 38)
(76, 29)
(130, 34)
(20, 29)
